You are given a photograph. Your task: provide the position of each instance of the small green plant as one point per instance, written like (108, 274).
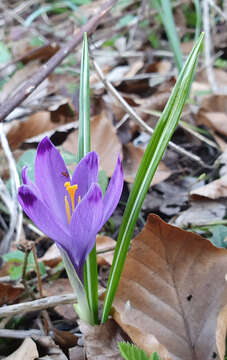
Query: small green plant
(132, 352)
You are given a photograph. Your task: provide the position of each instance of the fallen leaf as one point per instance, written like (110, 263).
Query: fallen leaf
(9, 293)
(76, 353)
(214, 190)
(103, 140)
(132, 159)
(52, 351)
(215, 120)
(61, 286)
(172, 294)
(101, 341)
(104, 243)
(200, 213)
(52, 256)
(27, 351)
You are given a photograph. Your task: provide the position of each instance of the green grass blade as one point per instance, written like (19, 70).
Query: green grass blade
(198, 18)
(84, 104)
(165, 12)
(152, 156)
(84, 146)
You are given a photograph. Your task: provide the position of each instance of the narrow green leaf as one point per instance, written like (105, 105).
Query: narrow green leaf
(198, 18)
(90, 269)
(84, 104)
(165, 12)
(152, 156)
(131, 352)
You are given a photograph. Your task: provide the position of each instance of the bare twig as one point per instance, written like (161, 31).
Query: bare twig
(218, 10)
(39, 304)
(138, 119)
(19, 334)
(55, 60)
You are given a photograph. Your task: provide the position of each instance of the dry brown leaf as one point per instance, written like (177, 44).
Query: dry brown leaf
(10, 293)
(52, 351)
(200, 213)
(172, 294)
(132, 159)
(34, 125)
(215, 120)
(103, 243)
(52, 256)
(214, 190)
(17, 80)
(61, 286)
(27, 351)
(101, 341)
(103, 140)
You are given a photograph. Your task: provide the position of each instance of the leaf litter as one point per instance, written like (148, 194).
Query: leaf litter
(131, 56)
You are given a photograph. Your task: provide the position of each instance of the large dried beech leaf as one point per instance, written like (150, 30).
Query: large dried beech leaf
(172, 294)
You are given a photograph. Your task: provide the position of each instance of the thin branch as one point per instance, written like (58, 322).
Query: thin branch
(39, 304)
(26, 90)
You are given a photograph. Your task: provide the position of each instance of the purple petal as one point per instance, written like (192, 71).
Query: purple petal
(85, 174)
(27, 181)
(84, 226)
(50, 176)
(40, 214)
(113, 192)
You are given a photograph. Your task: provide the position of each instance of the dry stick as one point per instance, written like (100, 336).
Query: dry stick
(39, 304)
(138, 119)
(8, 106)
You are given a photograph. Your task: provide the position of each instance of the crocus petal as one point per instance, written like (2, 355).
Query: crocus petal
(85, 174)
(27, 181)
(50, 177)
(84, 226)
(113, 192)
(40, 214)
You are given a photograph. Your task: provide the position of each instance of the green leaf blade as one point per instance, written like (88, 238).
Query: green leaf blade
(84, 146)
(152, 156)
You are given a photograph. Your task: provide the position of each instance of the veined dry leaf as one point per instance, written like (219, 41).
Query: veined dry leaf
(101, 341)
(132, 159)
(27, 351)
(103, 139)
(172, 294)
(214, 190)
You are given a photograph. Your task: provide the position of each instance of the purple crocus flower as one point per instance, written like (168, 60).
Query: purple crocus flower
(70, 211)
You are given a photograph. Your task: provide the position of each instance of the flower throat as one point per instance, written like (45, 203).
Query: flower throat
(71, 190)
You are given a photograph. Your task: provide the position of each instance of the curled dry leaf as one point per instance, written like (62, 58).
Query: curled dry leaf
(132, 159)
(101, 341)
(27, 351)
(214, 190)
(172, 294)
